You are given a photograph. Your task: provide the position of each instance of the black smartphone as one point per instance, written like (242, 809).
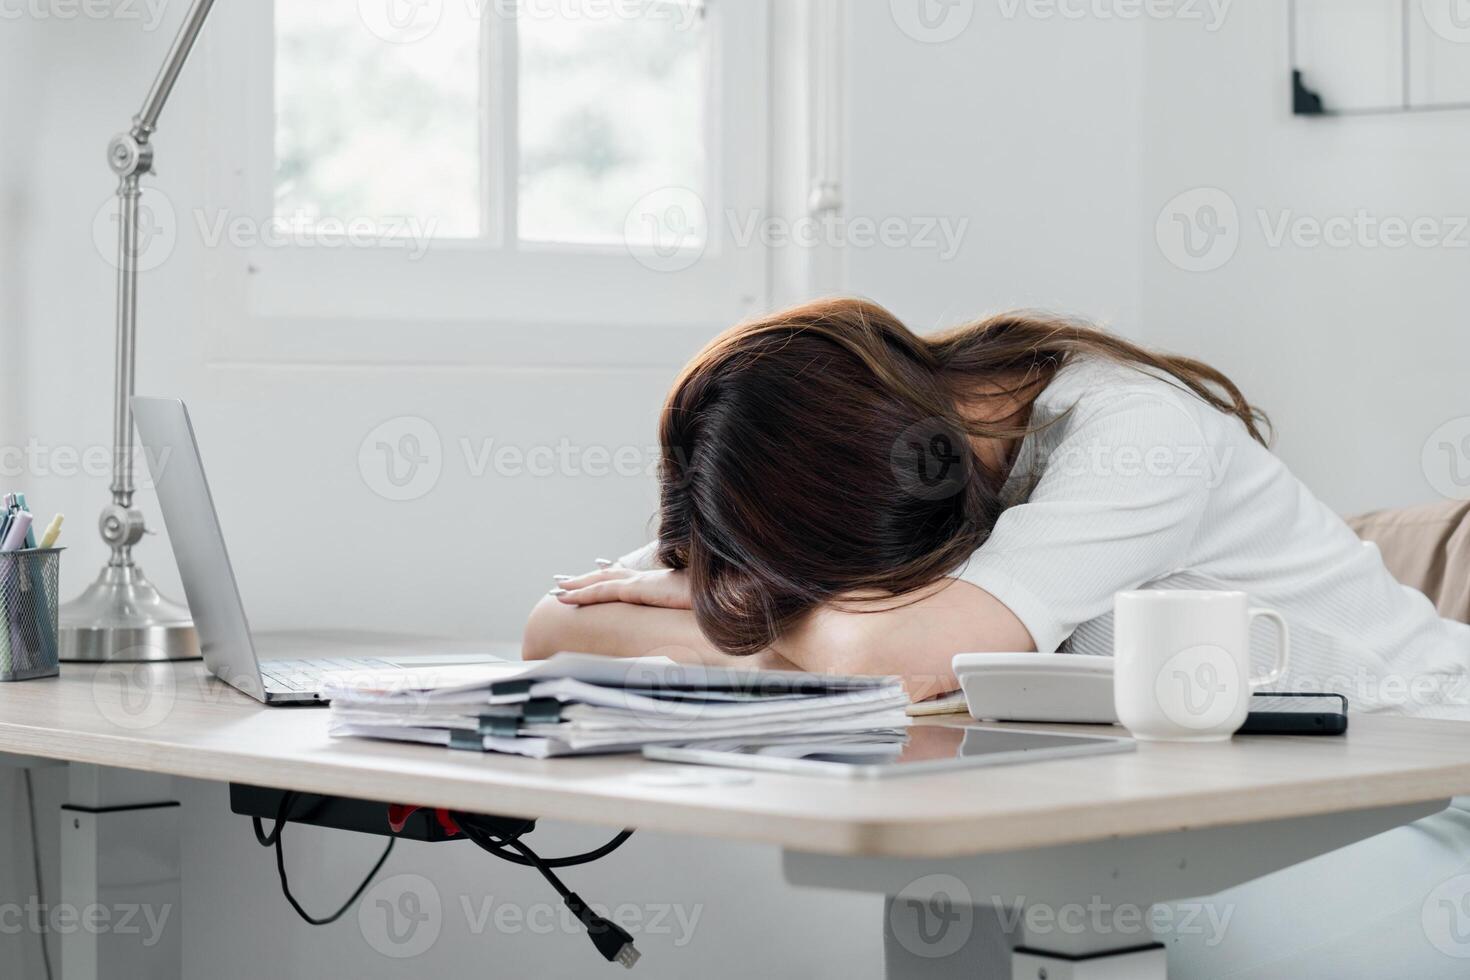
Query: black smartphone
(1296, 714)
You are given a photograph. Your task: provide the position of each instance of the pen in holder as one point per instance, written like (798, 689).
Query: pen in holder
(29, 585)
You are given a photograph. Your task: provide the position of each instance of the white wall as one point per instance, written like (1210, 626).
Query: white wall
(1026, 127)
(944, 130)
(1358, 353)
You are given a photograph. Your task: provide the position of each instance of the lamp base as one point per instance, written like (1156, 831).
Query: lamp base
(122, 618)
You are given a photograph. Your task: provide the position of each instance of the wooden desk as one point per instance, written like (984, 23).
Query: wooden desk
(1078, 820)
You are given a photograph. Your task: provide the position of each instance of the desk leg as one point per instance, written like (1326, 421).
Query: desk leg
(1076, 911)
(936, 938)
(119, 910)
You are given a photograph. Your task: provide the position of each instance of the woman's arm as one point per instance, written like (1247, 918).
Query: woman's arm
(915, 639)
(622, 629)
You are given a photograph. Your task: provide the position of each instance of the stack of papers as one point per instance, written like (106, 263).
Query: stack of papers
(579, 703)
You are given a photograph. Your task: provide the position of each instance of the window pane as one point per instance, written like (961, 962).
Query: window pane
(377, 116)
(612, 109)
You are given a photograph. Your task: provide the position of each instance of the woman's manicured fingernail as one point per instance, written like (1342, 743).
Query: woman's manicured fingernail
(557, 592)
(603, 563)
(561, 578)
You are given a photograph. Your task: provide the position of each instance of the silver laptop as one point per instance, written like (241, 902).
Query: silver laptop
(230, 651)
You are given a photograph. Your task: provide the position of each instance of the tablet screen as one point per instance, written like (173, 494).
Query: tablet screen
(922, 747)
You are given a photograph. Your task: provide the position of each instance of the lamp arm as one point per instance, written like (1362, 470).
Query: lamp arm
(130, 155)
(147, 117)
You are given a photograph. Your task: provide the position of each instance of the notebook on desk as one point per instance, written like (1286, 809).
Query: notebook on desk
(950, 703)
(581, 703)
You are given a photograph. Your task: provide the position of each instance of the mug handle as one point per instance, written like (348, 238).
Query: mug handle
(1285, 636)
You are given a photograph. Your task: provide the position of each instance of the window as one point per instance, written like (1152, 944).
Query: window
(368, 129)
(384, 120)
(568, 161)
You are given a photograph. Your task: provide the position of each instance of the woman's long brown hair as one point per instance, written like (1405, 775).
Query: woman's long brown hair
(822, 453)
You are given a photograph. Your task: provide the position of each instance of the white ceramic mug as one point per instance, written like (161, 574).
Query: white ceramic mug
(1181, 669)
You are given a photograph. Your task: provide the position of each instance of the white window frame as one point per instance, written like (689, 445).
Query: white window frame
(286, 290)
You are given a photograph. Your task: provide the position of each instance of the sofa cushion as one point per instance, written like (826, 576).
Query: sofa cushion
(1427, 548)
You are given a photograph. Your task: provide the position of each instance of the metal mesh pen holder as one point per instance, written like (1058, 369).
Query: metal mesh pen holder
(29, 584)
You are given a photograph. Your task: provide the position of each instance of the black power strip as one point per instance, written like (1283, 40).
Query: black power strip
(498, 836)
(359, 816)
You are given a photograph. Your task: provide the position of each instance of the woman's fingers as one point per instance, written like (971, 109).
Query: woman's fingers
(609, 590)
(574, 582)
(662, 587)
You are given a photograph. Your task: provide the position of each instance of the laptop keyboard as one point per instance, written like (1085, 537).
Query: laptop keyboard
(305, 676)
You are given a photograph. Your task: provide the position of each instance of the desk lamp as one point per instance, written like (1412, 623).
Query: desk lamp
(121, 616)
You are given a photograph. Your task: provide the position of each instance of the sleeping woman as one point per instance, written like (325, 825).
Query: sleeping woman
(840, 494)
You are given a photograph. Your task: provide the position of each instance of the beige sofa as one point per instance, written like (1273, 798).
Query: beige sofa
(1427, 548)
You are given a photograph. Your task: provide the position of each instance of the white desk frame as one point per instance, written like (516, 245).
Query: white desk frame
(1135, 872)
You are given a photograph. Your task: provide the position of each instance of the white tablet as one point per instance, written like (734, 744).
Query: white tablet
(920, 749)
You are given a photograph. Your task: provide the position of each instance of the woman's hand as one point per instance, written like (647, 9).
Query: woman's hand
(661, 587)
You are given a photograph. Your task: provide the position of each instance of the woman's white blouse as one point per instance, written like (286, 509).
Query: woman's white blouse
(1133, 482)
